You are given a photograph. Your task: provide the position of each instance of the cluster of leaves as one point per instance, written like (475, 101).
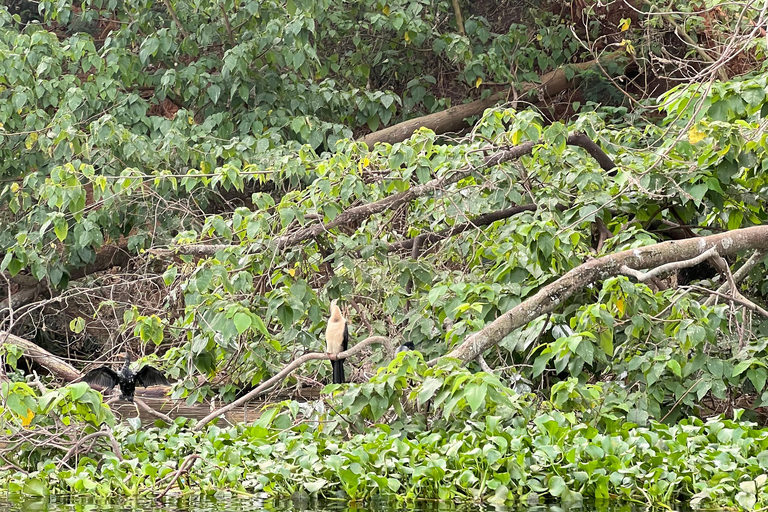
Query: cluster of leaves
(484, 442)
(88, 158)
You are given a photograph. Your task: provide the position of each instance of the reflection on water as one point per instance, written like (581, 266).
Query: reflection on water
(238, 504)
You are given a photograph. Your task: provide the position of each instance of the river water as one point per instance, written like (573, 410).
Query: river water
(236, 504)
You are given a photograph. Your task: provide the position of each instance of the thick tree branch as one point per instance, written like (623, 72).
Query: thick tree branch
(485, 219)
(359, 213)
(555, 294)
(452, 119)
(669, 267)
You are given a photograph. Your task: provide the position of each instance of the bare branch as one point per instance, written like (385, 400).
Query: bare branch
(172, 12)
(668, 268)
(314, 356)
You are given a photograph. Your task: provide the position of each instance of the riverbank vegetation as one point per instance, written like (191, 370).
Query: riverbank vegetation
(563, 209)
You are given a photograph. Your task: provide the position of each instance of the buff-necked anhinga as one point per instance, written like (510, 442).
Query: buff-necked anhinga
(337, 340)
(126, 378)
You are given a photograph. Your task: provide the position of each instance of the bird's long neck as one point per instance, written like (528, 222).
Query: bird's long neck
(127, 362)
(336, 315)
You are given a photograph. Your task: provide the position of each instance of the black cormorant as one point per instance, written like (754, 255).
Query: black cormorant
(127, 379)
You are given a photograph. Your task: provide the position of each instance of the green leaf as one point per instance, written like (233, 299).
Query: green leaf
(169, 276)
(60, 227)
(77, 390)
(214, 91)
(757, 376)
(673, 365)
(428, 389)
(475, 395)
(35, 487)
(315, 485)
(242, 322)
(556, 485)
(259, 324)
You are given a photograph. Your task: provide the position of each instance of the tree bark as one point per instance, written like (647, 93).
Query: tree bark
(452, 119)
(555, 294)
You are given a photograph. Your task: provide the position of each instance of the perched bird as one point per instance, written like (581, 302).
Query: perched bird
(127, 379)
(337, 340)
(405, 347)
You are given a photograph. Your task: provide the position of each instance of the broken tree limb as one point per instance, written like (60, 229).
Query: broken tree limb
(452, 119)
(362, 212)
(293, 365)
(740, 274)
(667, 268)
(553, 295)
(55, 365)
(737, 298)
(485, 219)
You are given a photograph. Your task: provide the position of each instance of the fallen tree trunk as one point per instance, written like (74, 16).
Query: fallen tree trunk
(452, 119)
(555, 294)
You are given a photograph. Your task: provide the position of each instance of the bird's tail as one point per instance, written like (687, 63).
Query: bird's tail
(338, 371)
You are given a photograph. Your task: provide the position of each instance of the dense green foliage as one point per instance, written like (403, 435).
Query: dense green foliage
(202, 138)
(483, 444)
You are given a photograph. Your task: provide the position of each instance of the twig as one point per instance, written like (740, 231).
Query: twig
(684, 35)
(740, 274)
(459, 18)
(287, 371)
(152, 411)
(80, 442)
(172, 12)
(227, 24)
(736, 297)
(681, 399)
(184, 467)
(483, 364)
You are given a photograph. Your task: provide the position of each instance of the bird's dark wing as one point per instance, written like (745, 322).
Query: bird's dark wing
(151, 376)
(345, 343)
(102, 376)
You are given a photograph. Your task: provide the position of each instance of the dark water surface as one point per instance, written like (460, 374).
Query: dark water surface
(11, 503)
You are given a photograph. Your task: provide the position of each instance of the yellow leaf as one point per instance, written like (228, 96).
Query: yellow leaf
(695, 135)
(624, 24)
(407, 37)
(478, 82)
(620, 306)
(627, 45)
(26, 420)
(31, 139)
(385, 10)
(292, 272)
(15, 187)
(191, 120)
